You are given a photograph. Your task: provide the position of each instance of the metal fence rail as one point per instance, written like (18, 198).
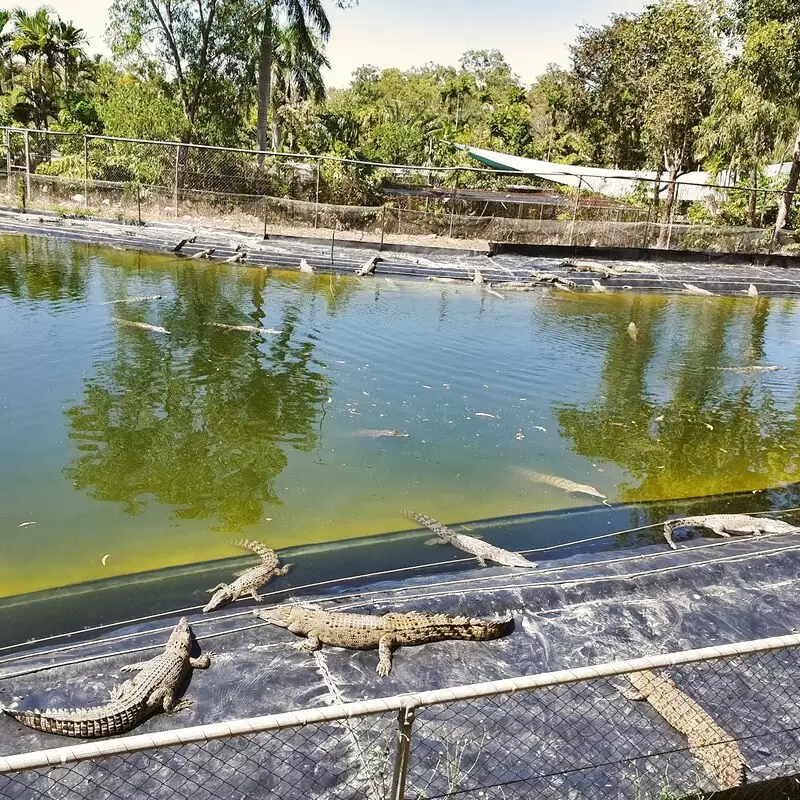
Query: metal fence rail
(137, 181)
(726, 712)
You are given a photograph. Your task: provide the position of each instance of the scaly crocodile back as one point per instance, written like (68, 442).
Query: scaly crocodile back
(470, 544)
(708, 742)
(168, 670)
(416, 628)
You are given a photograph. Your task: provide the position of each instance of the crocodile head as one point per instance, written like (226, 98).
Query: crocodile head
(220, 598)
(181, 637)
(280, 615)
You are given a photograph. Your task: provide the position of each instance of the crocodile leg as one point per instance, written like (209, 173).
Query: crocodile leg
(720, 530)
(204, 662)
(481, 560)
(310, 644)
(284, 570)
(217, 587)
(386, 644)
(162, 696)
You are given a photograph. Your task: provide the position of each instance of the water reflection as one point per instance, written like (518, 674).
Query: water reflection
(673, 411)
(39, 269)
(201, 419)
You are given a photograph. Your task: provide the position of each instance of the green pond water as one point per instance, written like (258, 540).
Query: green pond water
(132, 450)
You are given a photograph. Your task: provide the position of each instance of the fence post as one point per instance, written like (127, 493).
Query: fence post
(7, 139)
(177, 170)
(266, 206)
(27, 164)
(575, 211)
(383, 226)
(333, 239)
(316, 198)
(453, 202)
(405, 722)
(139, 202)
(85, 170)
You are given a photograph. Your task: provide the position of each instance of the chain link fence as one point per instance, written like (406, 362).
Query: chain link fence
(656, 728)
(136, 182)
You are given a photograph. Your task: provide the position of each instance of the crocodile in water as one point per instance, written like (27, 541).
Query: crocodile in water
(251, 580)
(384, 632)
(710, 744)
(727, 524)
(481, 550)
(152, 689)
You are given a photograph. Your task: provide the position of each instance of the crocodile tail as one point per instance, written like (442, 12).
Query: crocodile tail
(78, 723)
(482, 629)
(429, 522)
(266, 554)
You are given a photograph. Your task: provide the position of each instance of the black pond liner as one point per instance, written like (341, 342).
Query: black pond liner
(648, 270)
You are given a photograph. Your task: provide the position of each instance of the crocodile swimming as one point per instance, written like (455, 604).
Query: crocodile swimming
(709, 743)
(728, 524)
(153, 689)
(481, 550)
(384, 632)
(251, 580)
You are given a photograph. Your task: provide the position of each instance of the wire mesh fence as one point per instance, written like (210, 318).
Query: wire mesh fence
(137, 182)
(661, 727)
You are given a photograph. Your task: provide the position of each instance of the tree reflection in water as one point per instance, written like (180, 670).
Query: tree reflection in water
(203, 419)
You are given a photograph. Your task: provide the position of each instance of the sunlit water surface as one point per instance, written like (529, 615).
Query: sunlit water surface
(131, 449)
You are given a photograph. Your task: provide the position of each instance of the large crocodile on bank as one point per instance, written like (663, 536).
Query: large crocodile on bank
(382, 632)
(709, 743)
(727, 524)
(154, 688)
(483, 551)
(251, 580)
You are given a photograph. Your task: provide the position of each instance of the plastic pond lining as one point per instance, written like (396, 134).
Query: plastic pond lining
(631, 269)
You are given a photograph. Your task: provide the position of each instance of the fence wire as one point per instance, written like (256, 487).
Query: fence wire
(682, 727)
(138, 182)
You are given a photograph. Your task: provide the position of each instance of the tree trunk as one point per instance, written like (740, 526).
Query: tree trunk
(669, 202)
(264, 79)
(785, 204)
(753, 199)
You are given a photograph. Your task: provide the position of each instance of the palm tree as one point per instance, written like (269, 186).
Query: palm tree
(296, 73)
(6, 38)
(306, 18)
(69, 43)
(35, 41)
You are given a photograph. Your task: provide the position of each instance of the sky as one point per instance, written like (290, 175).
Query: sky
(404, 33)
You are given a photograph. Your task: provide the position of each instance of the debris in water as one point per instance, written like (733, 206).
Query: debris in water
(25, 524)
(709, 426)
(752, 291)
(633, 331)
(752, 369)
(540, 428)
(597, 286)
(437, 279)
(519, 436)
(560, 483)
(478, 278)
(483, 414)
(104, 559)
(305, 266)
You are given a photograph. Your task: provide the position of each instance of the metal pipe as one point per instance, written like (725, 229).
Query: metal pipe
(27, 165)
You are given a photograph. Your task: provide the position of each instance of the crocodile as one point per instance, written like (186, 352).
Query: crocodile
(249, 581)
(709, 743)
(727, 524)
(384, 632)
(481, 550)
(152, 689)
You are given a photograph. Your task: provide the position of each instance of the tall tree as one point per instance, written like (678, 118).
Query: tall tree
(198, 42)
(296, 75)
(769, 34)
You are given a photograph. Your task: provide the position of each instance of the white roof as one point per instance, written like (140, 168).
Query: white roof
(610, 182)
